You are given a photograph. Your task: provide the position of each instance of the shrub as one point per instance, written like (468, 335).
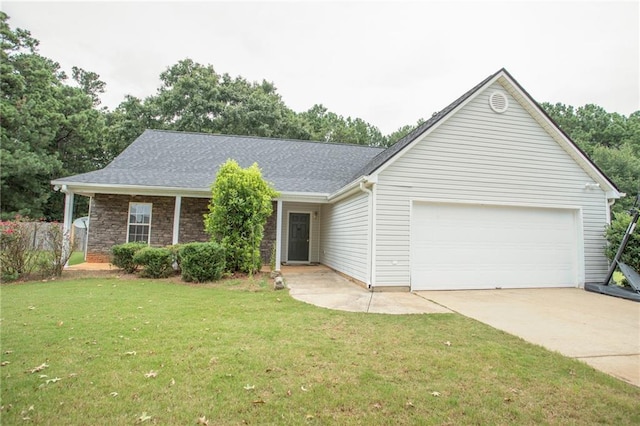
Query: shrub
(614, 234)
(157, 262)
(123, 256)
(201, 262)
(17, 257)
(239, 208)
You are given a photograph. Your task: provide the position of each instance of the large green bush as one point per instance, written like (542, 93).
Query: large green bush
(157, 262)
(122, 256)
(614, 234)
(241, 203)
(202, 262)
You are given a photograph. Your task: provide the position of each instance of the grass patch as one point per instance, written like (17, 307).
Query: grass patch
(234, 352)
(76, 258)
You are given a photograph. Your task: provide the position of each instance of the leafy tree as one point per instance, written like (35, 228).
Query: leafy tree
(611, 140)
(402, 132)
(327, 126)
(239, 208)
(48, 128)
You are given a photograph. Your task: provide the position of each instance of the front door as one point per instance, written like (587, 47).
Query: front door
(299, 237)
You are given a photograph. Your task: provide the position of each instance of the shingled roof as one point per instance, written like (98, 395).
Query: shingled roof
(171, 159)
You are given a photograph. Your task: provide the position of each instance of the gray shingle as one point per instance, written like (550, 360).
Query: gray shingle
(191, 160)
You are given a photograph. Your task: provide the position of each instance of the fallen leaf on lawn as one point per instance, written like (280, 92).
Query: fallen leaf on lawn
(278, 299)
(73, 374)
(288, 392)
(43, 376)
(409, 404)
(435, 393)
(151, 374)
(55, 379)
(172, 382)
(144, 417)
(308, 417)
(447, 343)
(258, 401)
(249, 387)
(8, 352)
(3, 363)
(39, 368)
(507, 399)
(302, 388)
(31, 308)
(131, 353)
(31, 408)
(377, 405)
(202, 421)
(114, 394)
(60, 323)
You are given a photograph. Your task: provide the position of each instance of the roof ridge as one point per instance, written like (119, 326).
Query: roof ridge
(263, 138)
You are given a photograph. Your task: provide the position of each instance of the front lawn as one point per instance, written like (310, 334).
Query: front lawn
(119, 351)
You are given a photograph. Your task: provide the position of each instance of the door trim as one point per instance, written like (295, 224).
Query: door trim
(310, 214)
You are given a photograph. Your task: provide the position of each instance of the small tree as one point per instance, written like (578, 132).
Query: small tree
(239, 208)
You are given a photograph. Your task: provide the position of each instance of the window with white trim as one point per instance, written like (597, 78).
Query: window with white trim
(139, 227)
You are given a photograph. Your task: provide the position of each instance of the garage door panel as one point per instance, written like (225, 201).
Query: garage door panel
(468, 246)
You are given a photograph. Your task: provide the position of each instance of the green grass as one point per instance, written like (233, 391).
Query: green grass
(240, 352)
(76, 258)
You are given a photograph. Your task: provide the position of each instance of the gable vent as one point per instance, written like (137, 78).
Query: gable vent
(498, 102)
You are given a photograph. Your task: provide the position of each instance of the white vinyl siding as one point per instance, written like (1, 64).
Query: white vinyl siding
(477, 155)
(314, 228)
(345, 236)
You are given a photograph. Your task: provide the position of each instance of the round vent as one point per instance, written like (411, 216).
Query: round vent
(498, 102)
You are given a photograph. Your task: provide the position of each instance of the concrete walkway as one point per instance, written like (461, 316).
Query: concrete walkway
(602, 331)
(320, 286)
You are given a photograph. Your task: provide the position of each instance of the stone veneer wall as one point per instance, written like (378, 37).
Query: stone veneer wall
(269, 238)
(109, 218)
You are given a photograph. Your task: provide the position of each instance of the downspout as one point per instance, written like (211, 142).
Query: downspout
(370, 252)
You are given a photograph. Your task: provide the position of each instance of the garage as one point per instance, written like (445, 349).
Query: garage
(457, 246)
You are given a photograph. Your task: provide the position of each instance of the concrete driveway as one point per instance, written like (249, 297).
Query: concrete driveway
(602, 331)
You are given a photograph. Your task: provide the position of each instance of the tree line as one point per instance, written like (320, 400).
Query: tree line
(53, 126)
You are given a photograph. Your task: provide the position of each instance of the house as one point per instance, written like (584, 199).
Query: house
(488, 193)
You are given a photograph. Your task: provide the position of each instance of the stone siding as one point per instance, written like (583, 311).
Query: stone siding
(192, 213)
(109, 218)
(269, 238)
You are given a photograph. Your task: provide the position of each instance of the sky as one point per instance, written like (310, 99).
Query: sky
(389, 63)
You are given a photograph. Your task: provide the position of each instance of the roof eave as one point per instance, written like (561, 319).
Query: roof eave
(90, 189)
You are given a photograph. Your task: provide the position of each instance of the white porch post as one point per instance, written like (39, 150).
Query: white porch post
(176, 219)
(67, 223)
(278, 234)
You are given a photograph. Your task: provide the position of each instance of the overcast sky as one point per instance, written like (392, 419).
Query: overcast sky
(389, 63)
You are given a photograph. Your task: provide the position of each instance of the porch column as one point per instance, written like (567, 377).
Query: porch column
(176, 219)
(278, 234)
(67, 223)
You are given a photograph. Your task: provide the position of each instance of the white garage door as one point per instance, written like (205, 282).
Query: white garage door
(461, 246)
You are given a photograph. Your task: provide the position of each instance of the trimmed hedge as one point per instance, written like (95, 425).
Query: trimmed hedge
(123, 256)
(201, 262)
(157, 262)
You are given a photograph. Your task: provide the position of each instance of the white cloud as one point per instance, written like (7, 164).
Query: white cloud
(388, 63)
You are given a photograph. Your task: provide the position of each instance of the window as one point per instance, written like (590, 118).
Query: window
(139, 222)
